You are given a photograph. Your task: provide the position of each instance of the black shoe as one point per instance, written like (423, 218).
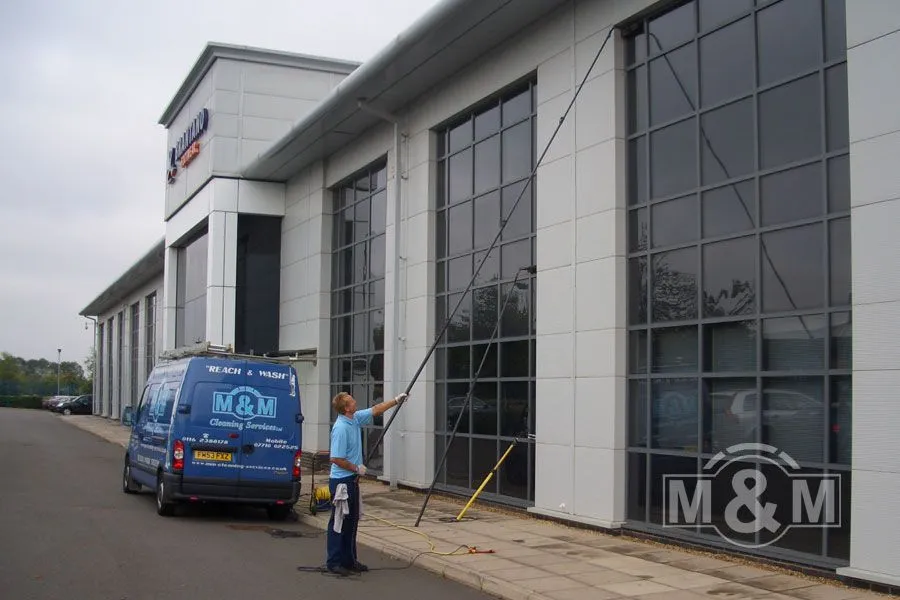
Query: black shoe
(339, 571)
(358, 568)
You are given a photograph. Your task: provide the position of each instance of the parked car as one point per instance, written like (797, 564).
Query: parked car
(217, 429)
(51, 401)
(80, 405)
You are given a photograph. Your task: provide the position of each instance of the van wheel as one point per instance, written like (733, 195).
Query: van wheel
(163, 506)
(129, 485)
(279, 512)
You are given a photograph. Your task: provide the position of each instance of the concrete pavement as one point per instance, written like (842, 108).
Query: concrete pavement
(536, 559)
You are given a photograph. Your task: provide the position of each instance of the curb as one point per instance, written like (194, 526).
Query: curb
(446, 569)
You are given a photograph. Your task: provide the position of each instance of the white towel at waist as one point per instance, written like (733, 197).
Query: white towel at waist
(341, 503)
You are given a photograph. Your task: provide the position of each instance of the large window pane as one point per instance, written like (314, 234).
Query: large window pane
(638, 411)
(673, 158)
(790, 122)
(673, 414)
(637, 352)
(637, 290)
(673, 79)
(638, 230)
(673, 28)
(726, 142)
(637, 170)
(793, 269)
(675, 350)
(839, 184)
(517, 152)
(487, 165)
(792, 195)
(729, 347)
(486, 221)
(838, 112)
(729, 277)
(729, 209)
(675, 221)
(794, 343)
(460, 176)
(726, 60)
(839, 251)
(790, 39)
(459, 235)
(793, 417)
(519, 221)
(714, 12)
(841, 341)
(675, 285)
(637, 90)
(835, 30)
(730, 413)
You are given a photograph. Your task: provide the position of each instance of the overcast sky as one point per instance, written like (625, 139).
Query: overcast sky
(82, 157)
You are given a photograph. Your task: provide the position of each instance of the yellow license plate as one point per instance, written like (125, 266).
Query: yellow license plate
(207, 455)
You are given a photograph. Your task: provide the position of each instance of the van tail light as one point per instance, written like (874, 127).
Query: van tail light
(178, 456)
(297, 456)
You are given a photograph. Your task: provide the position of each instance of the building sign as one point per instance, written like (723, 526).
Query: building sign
(187, 147)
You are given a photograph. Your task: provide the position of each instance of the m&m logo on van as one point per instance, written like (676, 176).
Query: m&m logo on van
(244, 403)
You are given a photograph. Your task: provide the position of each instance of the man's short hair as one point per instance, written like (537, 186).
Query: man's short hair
(339, 402)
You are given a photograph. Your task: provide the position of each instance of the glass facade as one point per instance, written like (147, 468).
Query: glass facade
(190, 291)
(357, 295)
(485, 158)
(258, 292)
(739, 246)
(135, 351)
(110, 324)
(150, 320)
(101, 368)
(120, 353)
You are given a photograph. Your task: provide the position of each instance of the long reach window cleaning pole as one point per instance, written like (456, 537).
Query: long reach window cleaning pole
(449, 318)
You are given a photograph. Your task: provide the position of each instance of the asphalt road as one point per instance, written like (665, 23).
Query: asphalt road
(67, 531)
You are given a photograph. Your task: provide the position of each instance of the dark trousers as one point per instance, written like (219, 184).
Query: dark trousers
(342, 546)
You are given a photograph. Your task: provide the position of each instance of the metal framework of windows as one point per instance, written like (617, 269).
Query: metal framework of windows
(190, 291)
(484, 160)
(357, 296)
(739, 247)
(135, 349)
(110, 324)
(150, 342)
(120, 353)
(101, 367)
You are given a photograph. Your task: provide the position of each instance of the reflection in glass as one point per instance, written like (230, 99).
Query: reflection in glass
(638, 230)
(519, 223)
(729, 347)
(637, 487)
(662, 465)
(672, 28)
(729, 209)
(790, 39)
(461, 136)
(637, 351)
(792, 267)
(674, 290)
(675, 350)
(673, 414)
(729, 277)
(675, 221)
(515, 316)
(673, 79)
(835, 30)
(790, 120)
(517, 152)
(514, 359)
(730, 413)
(487, 165)
(840, 421)
(726, 61)
(484, 417)
(793, 416)
(514, 257)
(460, 176)
(638, 411)
(673, 158)
(514, 408)
(794, 343)
(637, 91)
(726, 142)
(838, 124)
(792, 195)
(714, 12)
(637, 290)
(460, 228)
(517, 108)
(839, 183)
(487, 219)
(841, 340)
(379, 207)
(839, 251)
(485, 312)
(487, 122)
(637, 170)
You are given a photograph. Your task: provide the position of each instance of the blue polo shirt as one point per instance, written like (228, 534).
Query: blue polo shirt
(346, 440)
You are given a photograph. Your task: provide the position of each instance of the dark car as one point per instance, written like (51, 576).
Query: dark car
(80, 405)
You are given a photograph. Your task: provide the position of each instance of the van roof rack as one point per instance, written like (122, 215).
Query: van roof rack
(227, 351)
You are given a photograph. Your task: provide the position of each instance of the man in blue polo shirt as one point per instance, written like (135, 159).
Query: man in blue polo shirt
(346, 467)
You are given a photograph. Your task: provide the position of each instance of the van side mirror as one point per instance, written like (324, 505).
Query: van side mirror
(299, 418)
(184, 409)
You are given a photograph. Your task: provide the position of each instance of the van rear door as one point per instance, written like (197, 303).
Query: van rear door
(209, 429)
(271, 435)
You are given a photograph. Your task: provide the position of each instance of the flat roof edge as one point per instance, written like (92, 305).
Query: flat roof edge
(141, 271)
